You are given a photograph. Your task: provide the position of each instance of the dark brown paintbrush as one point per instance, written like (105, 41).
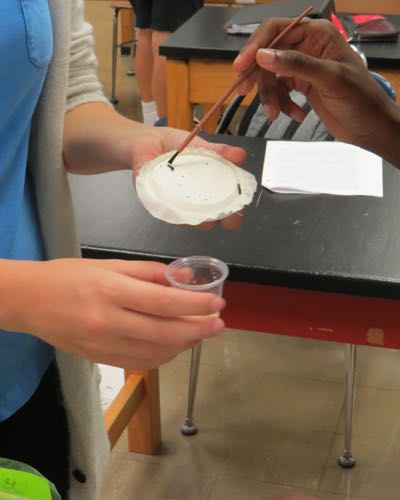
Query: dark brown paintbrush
(233, 87)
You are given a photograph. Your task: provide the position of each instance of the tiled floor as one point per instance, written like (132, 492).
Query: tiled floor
(268, 408)
(269, 417)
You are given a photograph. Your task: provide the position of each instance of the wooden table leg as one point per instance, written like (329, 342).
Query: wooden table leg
(179, 107)
(127, 23)
(144, 430)
(124, 406)
(368, 6)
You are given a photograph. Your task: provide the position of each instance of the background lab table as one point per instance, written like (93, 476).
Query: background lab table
(199, 64)
(322, 267)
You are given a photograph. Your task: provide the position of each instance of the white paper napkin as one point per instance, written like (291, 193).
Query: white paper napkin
(321, 167)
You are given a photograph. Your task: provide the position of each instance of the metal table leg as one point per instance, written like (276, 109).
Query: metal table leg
(113, 97)
(188, 428)
(347, 460)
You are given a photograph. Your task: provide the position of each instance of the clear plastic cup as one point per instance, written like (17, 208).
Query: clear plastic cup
(198, 274)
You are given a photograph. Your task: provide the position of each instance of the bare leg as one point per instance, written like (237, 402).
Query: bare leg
(144, 64)
(159, 84)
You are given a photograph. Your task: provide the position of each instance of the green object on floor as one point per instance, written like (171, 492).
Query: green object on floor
(19, 481)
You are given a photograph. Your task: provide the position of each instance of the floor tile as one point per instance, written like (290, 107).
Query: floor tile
(112, 380)
(223, 394)
(236, 488)
(206, 452)
(376, 413)
(378, 368)
(240, 349)
(282, 456)
(308, 358)
(298, 403)
(375, 476)
(133, 480)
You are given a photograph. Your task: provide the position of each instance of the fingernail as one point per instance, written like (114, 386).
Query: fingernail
(218, 304)
(266, 56)
(217, 326)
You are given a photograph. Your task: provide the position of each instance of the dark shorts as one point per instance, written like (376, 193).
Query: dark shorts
(164, 15)
(37, 434)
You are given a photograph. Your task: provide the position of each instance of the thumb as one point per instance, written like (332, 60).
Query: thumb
(294, 64)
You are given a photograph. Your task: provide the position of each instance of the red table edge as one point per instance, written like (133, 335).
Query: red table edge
(310, 314)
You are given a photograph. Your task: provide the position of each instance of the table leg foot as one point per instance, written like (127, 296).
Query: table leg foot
(347, 462)
(188, 429)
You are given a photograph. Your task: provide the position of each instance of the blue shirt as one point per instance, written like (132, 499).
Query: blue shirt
(26, 46)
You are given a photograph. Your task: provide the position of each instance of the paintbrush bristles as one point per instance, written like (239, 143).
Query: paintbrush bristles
(183, 145)
(170, 161)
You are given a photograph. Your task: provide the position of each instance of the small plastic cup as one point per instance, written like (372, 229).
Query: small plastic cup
(198, 274)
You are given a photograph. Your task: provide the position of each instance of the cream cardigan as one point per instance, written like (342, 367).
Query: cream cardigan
(71, 80)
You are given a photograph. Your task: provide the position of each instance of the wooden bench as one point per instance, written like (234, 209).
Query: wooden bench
(137, 409)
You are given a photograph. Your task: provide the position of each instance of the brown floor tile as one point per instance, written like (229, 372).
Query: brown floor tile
(238, 488)
(133, 480)
(224, 395)
(308, 358)
(241, 350)
(298, 403)
(228, 487)
(376, 413)
(376, 475)
(378, 367)
(287, 457)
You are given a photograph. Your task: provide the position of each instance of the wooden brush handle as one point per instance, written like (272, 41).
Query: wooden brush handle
(238, 81)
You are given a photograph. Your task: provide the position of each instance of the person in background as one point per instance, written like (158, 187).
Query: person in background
(314, 59)
(156, 20)
(60, 313)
